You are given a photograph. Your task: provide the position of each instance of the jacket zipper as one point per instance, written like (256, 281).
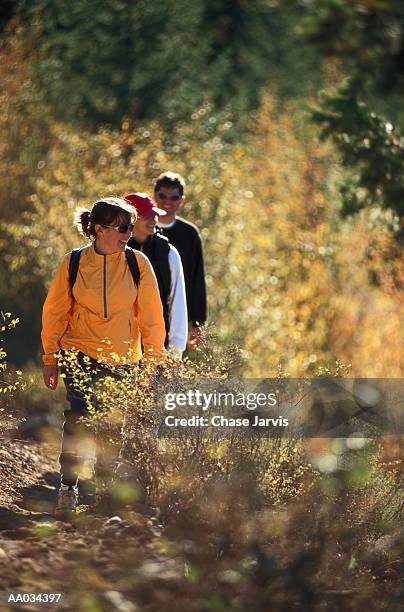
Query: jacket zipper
(105, 288)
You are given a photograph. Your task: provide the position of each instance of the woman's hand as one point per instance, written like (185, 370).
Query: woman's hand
(50, 376)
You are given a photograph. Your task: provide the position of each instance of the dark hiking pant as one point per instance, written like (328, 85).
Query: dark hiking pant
(80, 380)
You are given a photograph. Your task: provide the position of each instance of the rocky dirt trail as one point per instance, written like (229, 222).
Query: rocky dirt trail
(121, 559)
(95, 561)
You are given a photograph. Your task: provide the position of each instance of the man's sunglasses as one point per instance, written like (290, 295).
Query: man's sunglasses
(123, 228)
(164, 196)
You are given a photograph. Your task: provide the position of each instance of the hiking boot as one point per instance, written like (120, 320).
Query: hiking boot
(67, 499)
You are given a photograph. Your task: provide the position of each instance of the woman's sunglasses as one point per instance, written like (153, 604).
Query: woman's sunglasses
(123, 228)
(164, 196)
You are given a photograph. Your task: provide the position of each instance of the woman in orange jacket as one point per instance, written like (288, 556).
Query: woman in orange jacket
(106, 313)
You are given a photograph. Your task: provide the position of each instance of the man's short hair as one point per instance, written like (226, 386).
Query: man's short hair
(170, 179)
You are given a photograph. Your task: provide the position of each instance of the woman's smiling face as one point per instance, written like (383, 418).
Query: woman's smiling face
(109, 239)
(144, 227)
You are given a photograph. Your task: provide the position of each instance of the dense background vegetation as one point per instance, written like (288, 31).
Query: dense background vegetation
(238, 98)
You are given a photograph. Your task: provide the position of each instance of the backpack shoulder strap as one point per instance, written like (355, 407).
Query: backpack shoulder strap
(161, 236)
(133, 265)
(74, 266)
(161, 248)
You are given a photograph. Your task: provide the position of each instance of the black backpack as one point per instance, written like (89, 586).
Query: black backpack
(75, 260)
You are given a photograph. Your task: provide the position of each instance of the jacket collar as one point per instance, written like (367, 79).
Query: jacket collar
(98, 258)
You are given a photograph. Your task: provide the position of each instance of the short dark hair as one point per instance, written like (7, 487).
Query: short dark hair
(103, 212)
(170, 179)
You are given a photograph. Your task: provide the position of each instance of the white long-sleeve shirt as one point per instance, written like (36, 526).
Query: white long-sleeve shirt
(177, 304)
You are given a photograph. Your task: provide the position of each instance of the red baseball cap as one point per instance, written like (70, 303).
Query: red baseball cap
(144, 205)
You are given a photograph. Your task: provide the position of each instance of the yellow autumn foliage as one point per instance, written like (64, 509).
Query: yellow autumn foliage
(292, 284)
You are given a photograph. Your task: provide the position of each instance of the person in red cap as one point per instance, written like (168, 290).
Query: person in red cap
(167, 266)
(169, 195)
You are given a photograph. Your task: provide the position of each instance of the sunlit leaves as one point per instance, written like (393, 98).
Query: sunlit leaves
(10, 381)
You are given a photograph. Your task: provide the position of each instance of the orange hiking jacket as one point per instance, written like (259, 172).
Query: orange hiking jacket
(108, 313)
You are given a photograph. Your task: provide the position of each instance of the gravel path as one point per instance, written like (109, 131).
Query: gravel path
(96, 561)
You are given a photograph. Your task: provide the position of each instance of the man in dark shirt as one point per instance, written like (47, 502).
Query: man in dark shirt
(169, 195)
